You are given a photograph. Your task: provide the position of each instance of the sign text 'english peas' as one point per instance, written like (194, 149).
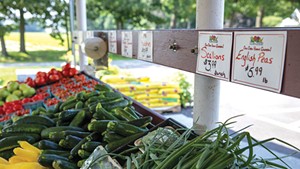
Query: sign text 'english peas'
(258, 59)
(214, 54)
(112, 41)
(145, 46)
(127, 44)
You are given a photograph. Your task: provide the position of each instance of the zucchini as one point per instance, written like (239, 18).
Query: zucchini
(62, 123)
(92, 99)
(56, 107)
(84, 154)
(80, 163)
(69, 142)
(48, 145)
(46, 160)
(98, 125)
(92, 136)
(91, 94)
(58, 135)
(42, 120)
(67, 115)
(131, 111)
(6, 154)
(79, 105)
(111, 136)
(119, 104)
(80, 96)
(124, 129)
(125, 115)
(70, 100)
(92, 107)
(26, 128)
(116, 144)
(45, 133)
(111, 100)
(103, 88)
(57, 152)
(62, 164)
(35, 136)
(141, 122)
(78, 119)
(12, 142)
(102, 112)
(90, 145)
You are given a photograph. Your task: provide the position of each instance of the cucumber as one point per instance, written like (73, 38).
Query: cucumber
(45, 132)
(79, 105)
(63, 164)
(102, 112)
(92, 99)
(42, 120)
(99, 125)
(7, 154)
(141, 122)
(26, 128)
(92, 107)
(131, 111)
(80, 163)
(112, 95)
(62, 123)
(80, 96)
(91, 94)
(57, 152)
(68, 115)
(116, 144)
(119, 104)
(125, 115)
(74, 151)
(69, 142)
(90, 145)
(78, 119)
(12, 142)
(70, 100)
(48, 145)
(56, 107)
(46, 160)
(111, 100)
(111, 136)
(124, 129)
(84, 154)
(57, 136)
(103, 88)
(35, 136)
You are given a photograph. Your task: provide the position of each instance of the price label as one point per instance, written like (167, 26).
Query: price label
(214, 54)
(127, 44)
(145, 46)
(258, 59)
(112, 41)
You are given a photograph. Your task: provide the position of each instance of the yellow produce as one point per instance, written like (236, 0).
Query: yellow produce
(27, 155)
(27, 146)
(24, 165)
(16, 159)
(3, 161)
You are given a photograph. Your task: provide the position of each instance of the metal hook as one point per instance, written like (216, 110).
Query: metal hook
(194, 50)
(174, 47)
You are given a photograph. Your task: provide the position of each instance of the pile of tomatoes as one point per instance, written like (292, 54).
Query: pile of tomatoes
(54, 75)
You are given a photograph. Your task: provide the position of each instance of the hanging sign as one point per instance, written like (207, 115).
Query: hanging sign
(258, 59)
(145, 46)
(127, 44)
(214, 54)
(112, 41)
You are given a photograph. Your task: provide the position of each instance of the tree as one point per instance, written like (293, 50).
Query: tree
(125, 13)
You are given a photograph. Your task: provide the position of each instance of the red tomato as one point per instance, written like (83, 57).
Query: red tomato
(53, 77)
(67, 66)
(72, 72)
(26, 100)
(41, 74)
(53, 71)
(40, 81)
(30, 82)
(65, 73)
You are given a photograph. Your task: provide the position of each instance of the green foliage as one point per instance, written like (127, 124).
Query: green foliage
(185, 95)
(271, 21)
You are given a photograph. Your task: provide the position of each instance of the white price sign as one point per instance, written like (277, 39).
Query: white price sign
(127, 44)
(112, 41)
(145, 46)
(214, 54)
(258, 59)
